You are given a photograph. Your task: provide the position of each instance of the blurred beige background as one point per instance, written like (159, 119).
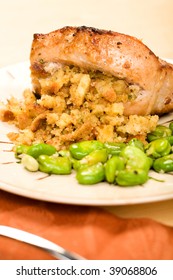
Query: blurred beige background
(149, 20)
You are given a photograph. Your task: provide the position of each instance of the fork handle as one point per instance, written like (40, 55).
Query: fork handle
(40, 242)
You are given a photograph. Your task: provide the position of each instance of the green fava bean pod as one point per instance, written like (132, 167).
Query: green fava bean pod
(90, 175)
(51, 165)
(112, 167)
(114, 148)
(81, 149)
(164, 164)
(132, 177)
(41, 149)
(158, 148)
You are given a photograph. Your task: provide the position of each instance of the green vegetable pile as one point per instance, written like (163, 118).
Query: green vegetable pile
(116, 163)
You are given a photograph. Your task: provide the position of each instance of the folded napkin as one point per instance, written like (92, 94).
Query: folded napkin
(90, 231)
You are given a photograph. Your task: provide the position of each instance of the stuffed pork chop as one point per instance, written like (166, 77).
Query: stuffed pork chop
(90, 84)
(113, 54)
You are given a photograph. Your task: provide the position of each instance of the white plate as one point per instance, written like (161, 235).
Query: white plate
(65, 189)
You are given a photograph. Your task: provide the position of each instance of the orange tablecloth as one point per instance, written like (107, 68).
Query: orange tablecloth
(90, 231)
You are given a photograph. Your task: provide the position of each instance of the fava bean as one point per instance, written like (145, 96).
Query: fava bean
(92, 158)
(158, 148)
(112, 167)
(41, 149)
(131, 177)
(81, 149)
(136, 143)
(52, 165)
(171, 127)
(159, 132)
(114, 148)
(30, 163)
(163, 164)
(64, 153)
(135, 158)
(20, 150)
(170, 139)
(91, 175)
(95, 157)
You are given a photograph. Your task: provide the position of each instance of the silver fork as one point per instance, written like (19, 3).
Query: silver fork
(40, 242)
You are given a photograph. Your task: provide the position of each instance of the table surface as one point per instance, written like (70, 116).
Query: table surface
(148, 20)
